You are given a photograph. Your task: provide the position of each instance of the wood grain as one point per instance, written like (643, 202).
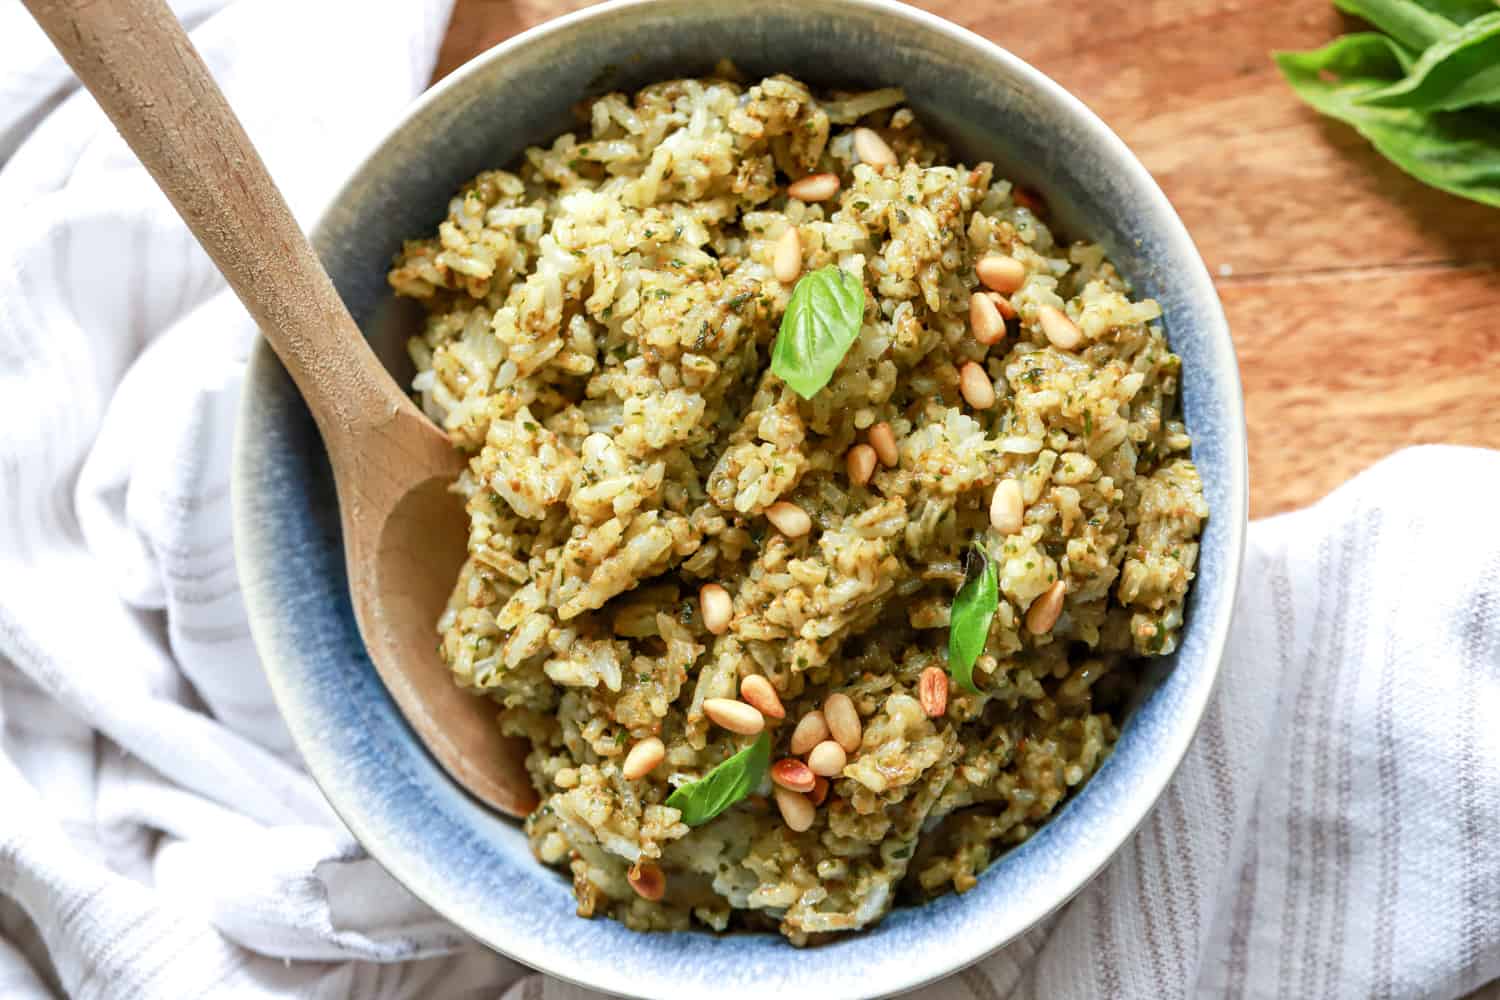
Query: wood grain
(1365, 306)
(404, 532)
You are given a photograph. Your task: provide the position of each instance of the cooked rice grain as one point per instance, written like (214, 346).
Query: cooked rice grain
(598, 331)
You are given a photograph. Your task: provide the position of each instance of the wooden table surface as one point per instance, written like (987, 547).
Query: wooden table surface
(1365, 307)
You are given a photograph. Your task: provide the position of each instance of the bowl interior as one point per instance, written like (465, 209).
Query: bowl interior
(474, 866)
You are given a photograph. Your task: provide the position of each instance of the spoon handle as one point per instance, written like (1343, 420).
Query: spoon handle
(139, 64)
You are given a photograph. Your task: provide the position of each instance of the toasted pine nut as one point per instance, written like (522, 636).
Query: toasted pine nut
(814, 187)
(883, 440)
(1000, 273)
(643, 758)
(758, 691)
(861, 462)
(1007, 507)
(819, 794)
(932, 692)
(1007, 311)
(786, 259)
(789, 519)
(811, 730)
(985, 321)
(796, 811)
(843, 721)
(977, 389)
(1061, 331)
(827, 759)
(1043, 613)
(735, 716)
(872, 149)
(647, 879)
(789, 772)
(717, 606)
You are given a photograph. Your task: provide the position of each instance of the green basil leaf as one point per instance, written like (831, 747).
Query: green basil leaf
(969, 621)
(738, 776)
(1412, 24)
(821, 321)
(1461, 11)
(1459, 71)
(1455, 152)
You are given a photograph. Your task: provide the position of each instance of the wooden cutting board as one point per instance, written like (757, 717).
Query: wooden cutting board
(1365, 307)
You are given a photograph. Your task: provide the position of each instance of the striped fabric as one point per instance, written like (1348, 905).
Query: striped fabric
(1334, 832)
(1335, 828)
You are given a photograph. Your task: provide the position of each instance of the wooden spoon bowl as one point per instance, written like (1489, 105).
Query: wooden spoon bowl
(410, 544)
(404, 530)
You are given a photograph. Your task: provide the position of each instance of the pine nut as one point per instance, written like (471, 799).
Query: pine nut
(814, 187)
(1000, 273)
(1044, 611)
(786, 260)
(718, 608)
(789, 519)
(643, 758)
(883, 440)
(932, 692)
(977, 389)
(811, 730)
(1007, 311)
(985, 321)
(1062, 332)
(1007, 507)
(791, 773)
(827, 759)
(758, 691)
(843, 721)
(796, 811)
(861, 462)
(872, 149)
(735, 716)
(647, 879)
(819, 794)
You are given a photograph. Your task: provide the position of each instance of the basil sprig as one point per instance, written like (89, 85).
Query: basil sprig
(739, 775)
(1425, 93)
(969, 621)
(1461, 70)
(1416, 24)
(821, 321)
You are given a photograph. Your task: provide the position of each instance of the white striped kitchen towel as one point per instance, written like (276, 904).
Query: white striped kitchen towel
(1335, 830)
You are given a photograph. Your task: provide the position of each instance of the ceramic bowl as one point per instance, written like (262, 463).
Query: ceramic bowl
(474, 866)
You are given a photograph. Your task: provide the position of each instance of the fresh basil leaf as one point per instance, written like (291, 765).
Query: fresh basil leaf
(1456, 152)
(1461, 11)
(735, 778)
(969, 621)
(821, 321)
(1459, 71)
(1412, 24)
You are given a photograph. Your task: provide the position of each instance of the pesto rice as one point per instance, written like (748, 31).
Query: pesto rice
(865, 639)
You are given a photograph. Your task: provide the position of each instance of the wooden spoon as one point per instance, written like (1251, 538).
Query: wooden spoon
(404, 532)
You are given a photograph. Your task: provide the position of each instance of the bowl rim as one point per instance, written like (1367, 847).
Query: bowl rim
(959, 954)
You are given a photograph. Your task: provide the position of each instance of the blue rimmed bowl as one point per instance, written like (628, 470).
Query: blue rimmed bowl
(474, 866)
